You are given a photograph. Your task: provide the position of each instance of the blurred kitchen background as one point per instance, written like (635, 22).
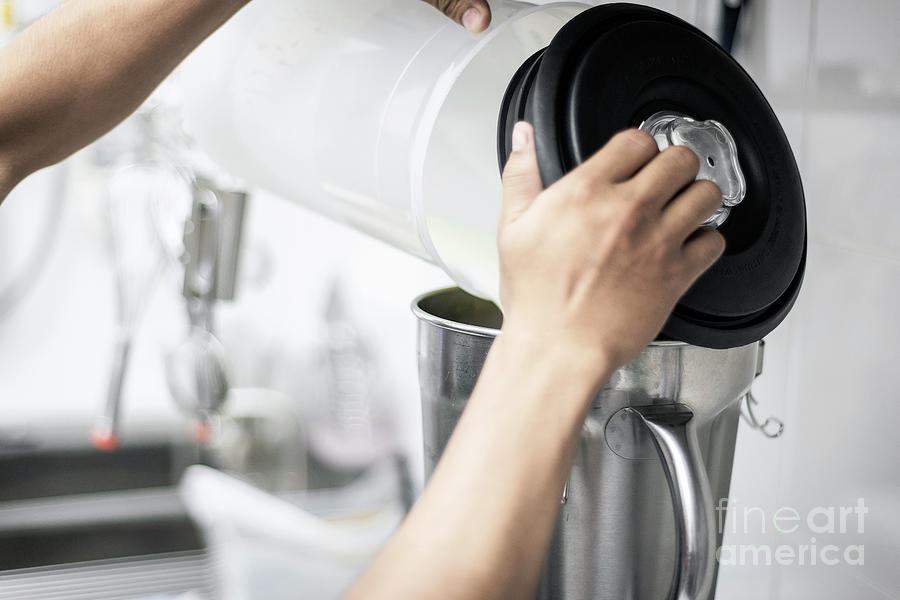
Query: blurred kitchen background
(323, 404)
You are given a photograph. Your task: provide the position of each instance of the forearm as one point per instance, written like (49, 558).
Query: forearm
(482, 527)
(78, 72)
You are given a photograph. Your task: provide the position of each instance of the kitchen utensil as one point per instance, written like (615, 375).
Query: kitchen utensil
(196, 370)
(138, 262)
(196, 373)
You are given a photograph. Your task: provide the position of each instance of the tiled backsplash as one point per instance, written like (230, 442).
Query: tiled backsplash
(831, 71)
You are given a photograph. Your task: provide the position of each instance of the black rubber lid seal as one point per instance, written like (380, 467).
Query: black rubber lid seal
(613, 66)
(512, 109)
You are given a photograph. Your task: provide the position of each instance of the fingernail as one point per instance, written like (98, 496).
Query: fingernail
(520, 136)
(471, 19)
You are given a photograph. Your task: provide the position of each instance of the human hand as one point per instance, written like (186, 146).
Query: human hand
(598, 260)
(474, 15)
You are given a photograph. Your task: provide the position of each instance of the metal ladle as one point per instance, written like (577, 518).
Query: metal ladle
(196, 369)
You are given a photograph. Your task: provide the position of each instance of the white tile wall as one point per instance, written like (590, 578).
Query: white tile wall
(830, 69)
(851, 179)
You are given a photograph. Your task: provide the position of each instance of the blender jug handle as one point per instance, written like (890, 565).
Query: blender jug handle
(673, 432)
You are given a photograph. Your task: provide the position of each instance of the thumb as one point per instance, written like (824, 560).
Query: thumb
(474, 15)
(521, 178)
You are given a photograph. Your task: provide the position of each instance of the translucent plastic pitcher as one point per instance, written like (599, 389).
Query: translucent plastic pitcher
(381, 114)
(387, 116)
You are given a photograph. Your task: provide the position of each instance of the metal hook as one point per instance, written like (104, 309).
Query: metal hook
(772, 427)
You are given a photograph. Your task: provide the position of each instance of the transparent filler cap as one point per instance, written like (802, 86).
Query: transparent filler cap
(713, 145)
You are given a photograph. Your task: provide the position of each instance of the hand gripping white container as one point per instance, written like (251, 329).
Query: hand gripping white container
(381, 114)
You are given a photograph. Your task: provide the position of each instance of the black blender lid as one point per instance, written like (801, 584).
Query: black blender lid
(613, 66)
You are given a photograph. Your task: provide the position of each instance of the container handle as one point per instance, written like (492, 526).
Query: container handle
(673, 431)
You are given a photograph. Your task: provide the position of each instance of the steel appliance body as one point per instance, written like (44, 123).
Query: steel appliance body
(638, 519)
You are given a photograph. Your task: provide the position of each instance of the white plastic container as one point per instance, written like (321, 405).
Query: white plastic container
(313, 545)
(381, 114)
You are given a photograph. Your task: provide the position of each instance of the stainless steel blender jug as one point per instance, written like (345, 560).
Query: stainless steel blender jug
(637, 519)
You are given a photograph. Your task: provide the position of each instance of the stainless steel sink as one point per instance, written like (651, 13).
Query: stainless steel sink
(156, 576)
(32, 467)
(63, 507)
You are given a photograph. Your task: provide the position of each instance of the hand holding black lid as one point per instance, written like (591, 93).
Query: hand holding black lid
(617, 65)
(597, 261)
